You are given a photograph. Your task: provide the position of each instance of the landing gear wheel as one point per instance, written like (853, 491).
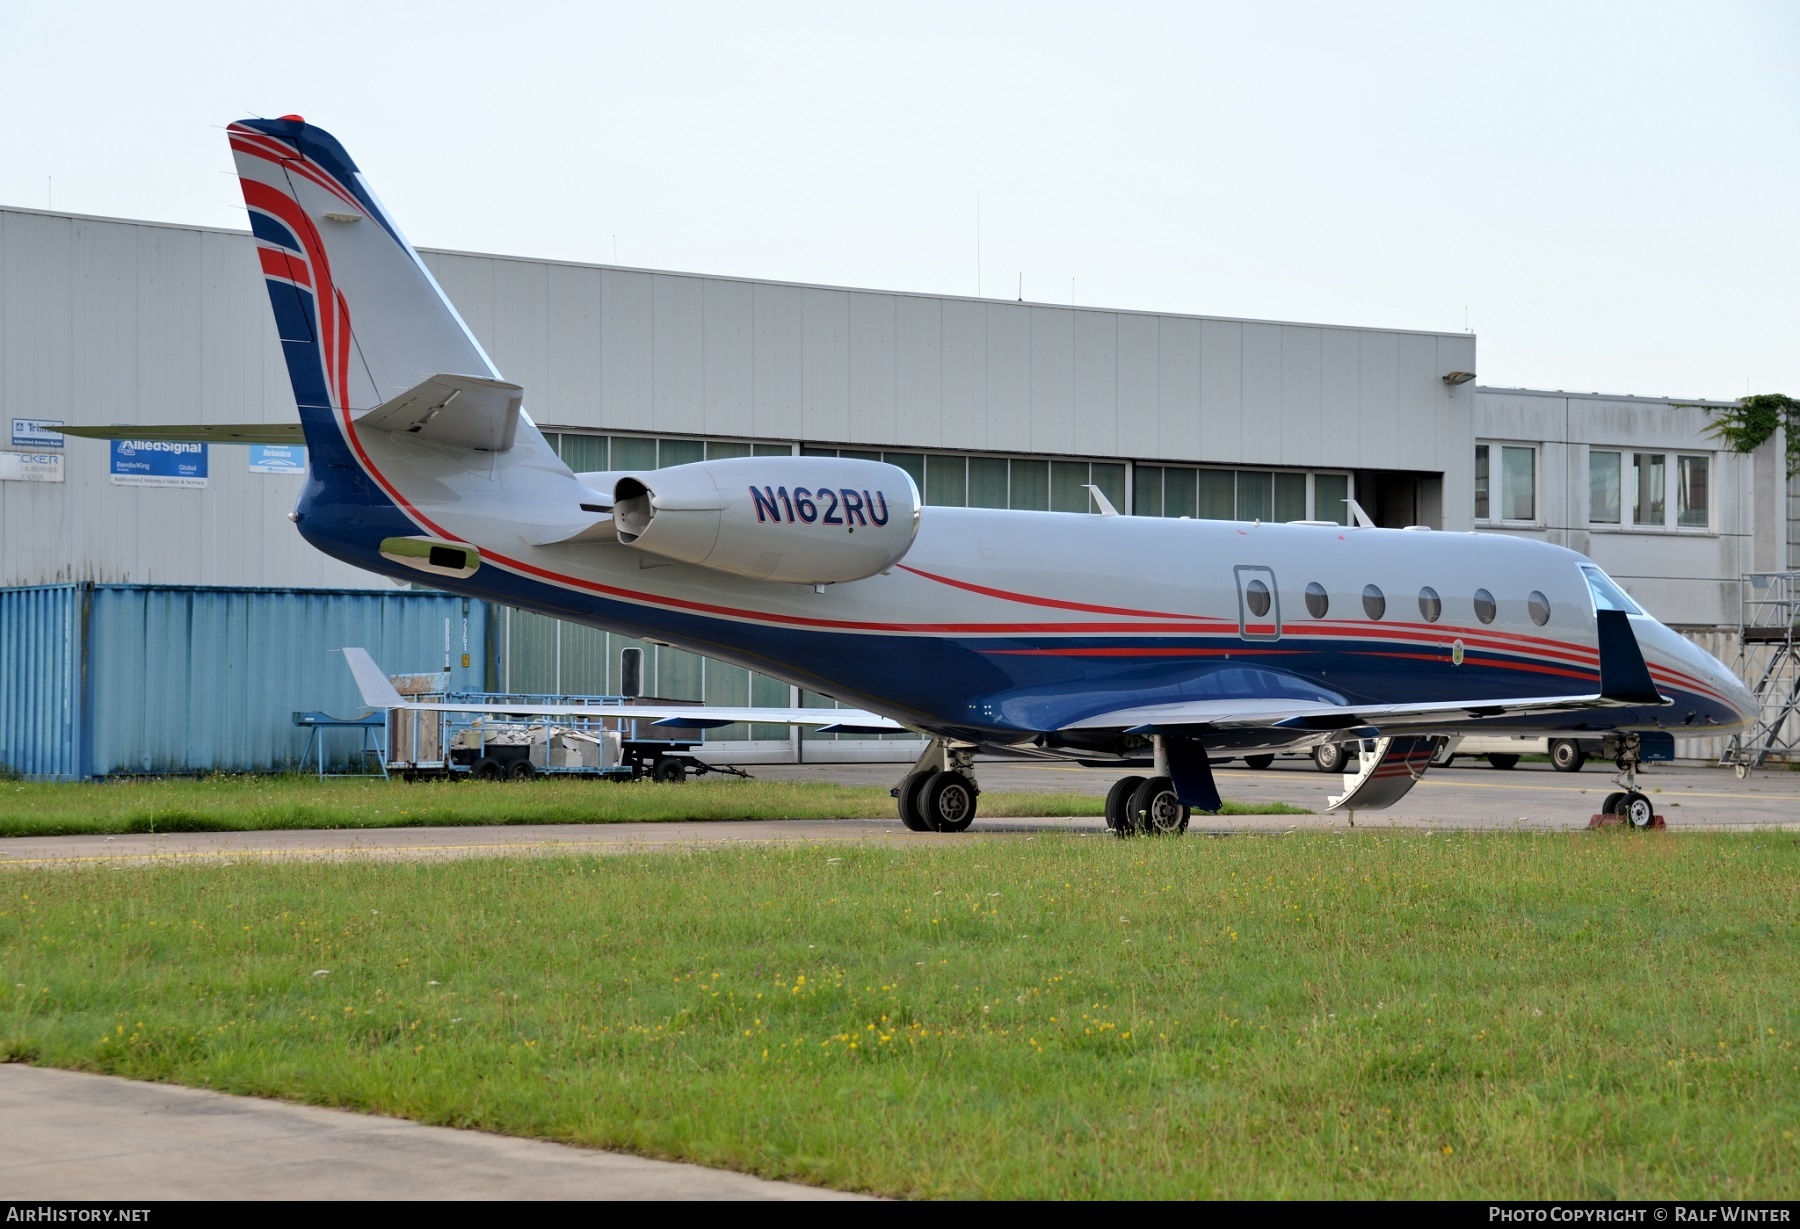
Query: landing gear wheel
(1611, 805)
(521, 770)
(1118, 804)
(488, 769)
(1637, 810)
(1503, 760)
(1742, 770)
(947, 802)
(1566, 755)
(908, 797)
(1258, 762)
(1330, 757)
(1156, 809)
(669, 771)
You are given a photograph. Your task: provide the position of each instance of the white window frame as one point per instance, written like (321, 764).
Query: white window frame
(1671, 522)
(1496, 492)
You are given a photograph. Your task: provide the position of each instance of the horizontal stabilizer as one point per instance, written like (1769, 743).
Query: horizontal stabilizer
(195, 433)
(462, 411)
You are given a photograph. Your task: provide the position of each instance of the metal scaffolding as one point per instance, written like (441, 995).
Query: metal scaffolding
(1769, 663)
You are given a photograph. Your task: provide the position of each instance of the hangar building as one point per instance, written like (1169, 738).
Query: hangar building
(985, 402)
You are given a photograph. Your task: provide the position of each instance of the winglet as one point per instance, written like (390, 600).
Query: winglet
(377, 692)
(1623, 674)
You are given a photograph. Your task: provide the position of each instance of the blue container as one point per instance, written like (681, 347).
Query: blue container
(103, 680)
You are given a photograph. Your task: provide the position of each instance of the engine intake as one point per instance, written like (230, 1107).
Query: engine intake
(798, 520)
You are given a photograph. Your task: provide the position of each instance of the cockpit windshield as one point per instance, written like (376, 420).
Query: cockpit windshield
(1607, 595)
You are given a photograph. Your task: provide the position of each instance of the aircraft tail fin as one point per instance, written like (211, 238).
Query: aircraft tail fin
(361, 319)
(377, 691)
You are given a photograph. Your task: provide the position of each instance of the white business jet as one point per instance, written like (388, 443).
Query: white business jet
(1131, 641)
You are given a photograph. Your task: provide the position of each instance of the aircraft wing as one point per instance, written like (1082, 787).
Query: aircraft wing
(378, 692)
(1316, 715)
(1625, 682)
(227, 433)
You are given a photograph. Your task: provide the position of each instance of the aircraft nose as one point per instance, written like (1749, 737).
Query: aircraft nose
(1741, 708)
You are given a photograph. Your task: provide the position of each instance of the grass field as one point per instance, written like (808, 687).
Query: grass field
(1508, 1015)
(236, 804)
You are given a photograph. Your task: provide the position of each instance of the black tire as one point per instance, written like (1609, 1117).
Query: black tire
(669, 771)
(908, 798)
(521, 770)
(1503, 760)
(1258, 762)
(487, 769)
(948, 802)
(1330, 757)
(1611, 805)
(1566, 755)
(1118, 802)
(1636, 810)
(1155, 809)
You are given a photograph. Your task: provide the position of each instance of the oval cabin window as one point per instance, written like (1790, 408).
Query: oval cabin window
(1485, 609)
(1317, 601)
(1374, 602)
(1539, 606)
(1430, 604)
(1256, 596)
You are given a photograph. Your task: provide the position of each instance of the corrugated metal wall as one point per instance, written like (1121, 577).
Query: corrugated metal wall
(109, 679)
(40, 679)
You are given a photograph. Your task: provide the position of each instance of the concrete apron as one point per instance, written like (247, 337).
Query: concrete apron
(65, 1135)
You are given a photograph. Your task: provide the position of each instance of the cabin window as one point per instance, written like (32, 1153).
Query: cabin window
(1692, 492)
(1603, 487)
(1485, 606)
(1374, 602)
(1430, 604)
(1317, 600)
(1256, 596)
(1539, 605)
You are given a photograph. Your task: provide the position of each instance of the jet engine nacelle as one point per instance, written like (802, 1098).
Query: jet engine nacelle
(799, 520)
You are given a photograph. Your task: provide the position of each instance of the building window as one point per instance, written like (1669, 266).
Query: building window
(1603, 488)
(1649, 496)
(1692, 492)
(1240, 495)
(1640, 498)
(1508, 471)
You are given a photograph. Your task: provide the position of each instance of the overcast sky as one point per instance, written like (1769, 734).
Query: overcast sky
(1606, 194)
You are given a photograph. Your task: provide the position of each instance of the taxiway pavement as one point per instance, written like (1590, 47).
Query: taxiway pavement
(67, 1135)
(1531, 797)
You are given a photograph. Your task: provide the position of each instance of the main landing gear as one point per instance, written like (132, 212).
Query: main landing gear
(1629, 804)
(939, 794)
(1147, 806)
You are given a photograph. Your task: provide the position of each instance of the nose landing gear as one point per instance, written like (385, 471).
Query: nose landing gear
(1629, 804)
